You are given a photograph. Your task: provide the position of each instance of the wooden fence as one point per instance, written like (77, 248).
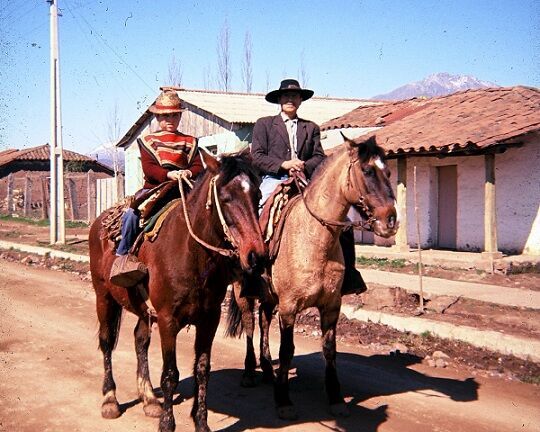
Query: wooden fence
(86, 195)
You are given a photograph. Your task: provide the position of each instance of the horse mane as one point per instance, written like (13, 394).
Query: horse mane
(237, 163)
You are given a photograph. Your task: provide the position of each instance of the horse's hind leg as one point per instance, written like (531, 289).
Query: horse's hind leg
(109, 315)
(248, 322)
(329, 318)
(265, 319)
(151, 405)
(285, 408)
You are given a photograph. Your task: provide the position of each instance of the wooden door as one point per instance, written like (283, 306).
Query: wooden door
(447, 208)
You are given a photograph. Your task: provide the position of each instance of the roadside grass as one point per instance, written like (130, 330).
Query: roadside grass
(531, 379)
(41, 222)
(381, 262)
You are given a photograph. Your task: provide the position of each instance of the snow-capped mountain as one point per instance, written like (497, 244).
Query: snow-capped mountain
(438, 84)
(107, 154)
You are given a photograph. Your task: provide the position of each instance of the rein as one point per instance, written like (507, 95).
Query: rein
(212, 190)
(363, 225)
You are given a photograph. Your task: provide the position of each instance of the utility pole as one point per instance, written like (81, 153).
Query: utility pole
(56, 214)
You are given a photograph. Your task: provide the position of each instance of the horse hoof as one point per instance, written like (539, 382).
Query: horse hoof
(110, 410)
(340, 410)
(153, 409)
(287, 412)
(166, 423)
(248, 380)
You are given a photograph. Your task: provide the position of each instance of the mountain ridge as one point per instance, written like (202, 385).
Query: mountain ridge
(437, 84)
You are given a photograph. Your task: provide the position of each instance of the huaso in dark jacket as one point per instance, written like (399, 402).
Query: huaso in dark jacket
(270, 146)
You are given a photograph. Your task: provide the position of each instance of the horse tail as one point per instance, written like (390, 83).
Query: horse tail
(116, 321)
(234, 318)
(109, 340)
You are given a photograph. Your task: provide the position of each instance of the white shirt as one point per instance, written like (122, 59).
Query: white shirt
(291, 125)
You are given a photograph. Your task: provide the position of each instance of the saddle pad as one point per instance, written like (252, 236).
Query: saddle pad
(152, 226)
(275, 240)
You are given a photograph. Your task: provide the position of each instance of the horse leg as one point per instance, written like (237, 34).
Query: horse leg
(285, 408)
(151, 405)
(247, 306)
(265, 318)
(204, 338)
(169, 376)
(329, 318)
(109, 316)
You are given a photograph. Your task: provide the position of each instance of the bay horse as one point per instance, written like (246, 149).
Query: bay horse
(188, 275)
(308, 269)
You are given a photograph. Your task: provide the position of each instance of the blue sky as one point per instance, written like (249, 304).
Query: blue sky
(116, 54)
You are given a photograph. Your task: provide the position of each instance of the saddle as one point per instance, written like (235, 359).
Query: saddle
(151, 204)
(275, 211)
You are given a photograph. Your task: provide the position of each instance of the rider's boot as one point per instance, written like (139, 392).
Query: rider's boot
(353, 283)
(127, 271)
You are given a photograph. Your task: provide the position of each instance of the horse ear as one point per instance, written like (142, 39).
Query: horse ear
(348, 142)
(211, 163)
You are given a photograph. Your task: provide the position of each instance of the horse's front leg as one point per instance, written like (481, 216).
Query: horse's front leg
(204, 337)
(285, 408)
(109, 314)
(168, 331)
(329, 318)
(151, 405)
(265, 319)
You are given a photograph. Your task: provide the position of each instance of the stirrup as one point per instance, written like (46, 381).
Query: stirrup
(127, 271)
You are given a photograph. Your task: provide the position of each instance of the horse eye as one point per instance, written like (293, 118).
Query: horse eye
(368, 171)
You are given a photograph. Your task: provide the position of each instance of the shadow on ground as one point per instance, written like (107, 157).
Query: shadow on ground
(362, 378)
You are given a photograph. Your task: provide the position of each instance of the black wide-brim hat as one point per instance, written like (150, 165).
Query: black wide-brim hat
(288, 85)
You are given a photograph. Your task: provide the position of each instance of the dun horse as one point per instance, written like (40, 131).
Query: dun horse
(186, 284)
(308, 269)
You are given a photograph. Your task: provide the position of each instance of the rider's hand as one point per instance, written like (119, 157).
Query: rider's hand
(293, 165)
(177, 174)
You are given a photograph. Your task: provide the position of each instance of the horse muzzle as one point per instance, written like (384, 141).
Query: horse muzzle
(253, 261)
(386, 224)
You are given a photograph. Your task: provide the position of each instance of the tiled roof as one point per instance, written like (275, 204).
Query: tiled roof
(41, 153)
(248, 107)
(472, 119)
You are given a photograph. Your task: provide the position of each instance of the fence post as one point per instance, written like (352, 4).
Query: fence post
(27, 194)
(9, 194)
(44, 197)
(71, 198)
(91, 198)
(120, 187)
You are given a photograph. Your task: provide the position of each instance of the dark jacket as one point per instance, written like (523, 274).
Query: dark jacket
(271, 147)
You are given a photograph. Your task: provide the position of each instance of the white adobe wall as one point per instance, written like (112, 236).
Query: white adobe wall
(517, 180)
(470, 199)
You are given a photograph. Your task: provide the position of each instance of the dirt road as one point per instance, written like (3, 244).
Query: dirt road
(51, 371)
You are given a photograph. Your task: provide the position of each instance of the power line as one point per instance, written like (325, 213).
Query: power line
(118, 56)
(97, 51)
(24, 14)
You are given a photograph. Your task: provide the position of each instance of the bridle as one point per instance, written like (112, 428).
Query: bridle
(352, 184)
(212, 192)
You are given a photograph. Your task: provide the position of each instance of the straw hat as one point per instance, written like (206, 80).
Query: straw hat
(166, 103)
(288, 85)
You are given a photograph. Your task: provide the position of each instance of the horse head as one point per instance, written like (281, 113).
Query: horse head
(368, 186)
(237, 191)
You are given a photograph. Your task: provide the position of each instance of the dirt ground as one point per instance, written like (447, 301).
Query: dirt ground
(51, 374)
(380, 338)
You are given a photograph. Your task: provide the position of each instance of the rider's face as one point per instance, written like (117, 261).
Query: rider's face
(290, 101)
(168, 122)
